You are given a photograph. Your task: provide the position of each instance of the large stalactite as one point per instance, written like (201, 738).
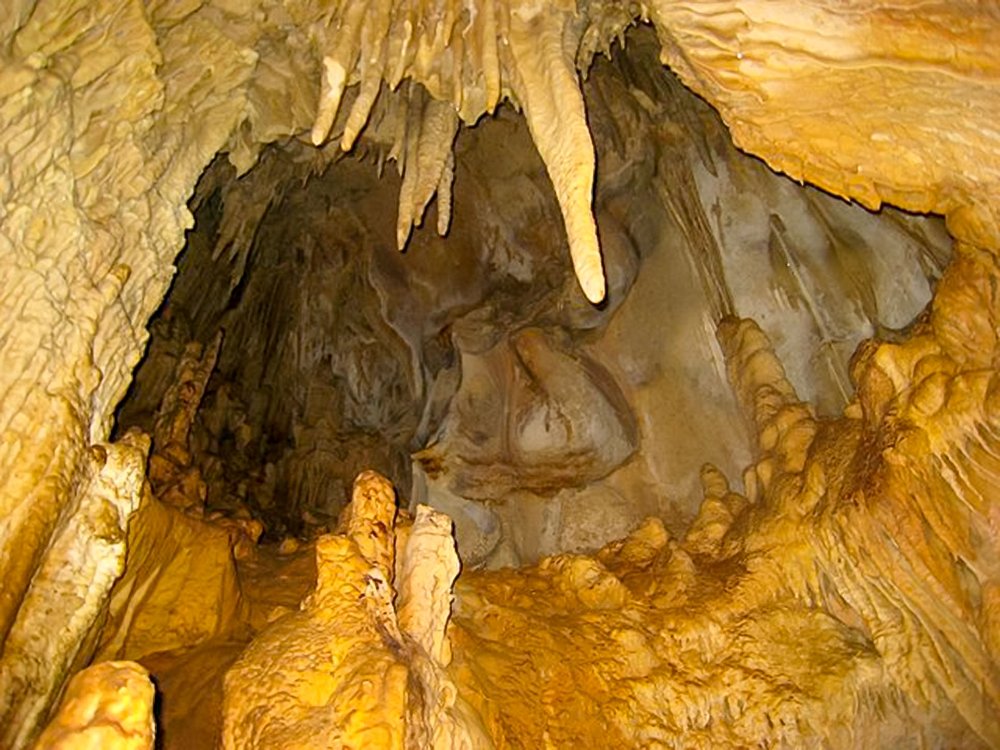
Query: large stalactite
(847, 595)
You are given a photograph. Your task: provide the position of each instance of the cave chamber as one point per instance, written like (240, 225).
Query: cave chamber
(498, 374)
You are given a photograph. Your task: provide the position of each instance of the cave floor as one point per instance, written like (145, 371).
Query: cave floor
(273, 580)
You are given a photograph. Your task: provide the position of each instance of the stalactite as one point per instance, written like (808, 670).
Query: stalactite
(425, 162)
(538, 67)
(545, 80)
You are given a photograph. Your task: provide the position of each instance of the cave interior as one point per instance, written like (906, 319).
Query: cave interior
(404, 461)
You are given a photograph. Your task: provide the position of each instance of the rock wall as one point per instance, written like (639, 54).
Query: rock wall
(759, 64)
(108, 123)
(799, 615)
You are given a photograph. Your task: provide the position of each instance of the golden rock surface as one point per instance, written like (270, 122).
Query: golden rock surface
(108, 706)
(805, 617)
(356, 666)
(796, 616)
(52, 635)
(179, 588)
(878, 102)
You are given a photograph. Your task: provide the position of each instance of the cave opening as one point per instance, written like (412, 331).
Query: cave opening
(469, 370)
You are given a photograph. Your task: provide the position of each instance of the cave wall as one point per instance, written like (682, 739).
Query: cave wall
(106, 140)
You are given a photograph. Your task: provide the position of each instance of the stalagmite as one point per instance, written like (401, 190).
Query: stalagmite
(108, 706)
(429, 569)
(364, 670)
(368, 518)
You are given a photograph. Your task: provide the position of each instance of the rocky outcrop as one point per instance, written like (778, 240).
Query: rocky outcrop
(759, 62)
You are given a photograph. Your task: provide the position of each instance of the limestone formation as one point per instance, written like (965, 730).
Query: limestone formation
(722, 450)
(108, 706)
(363, 663)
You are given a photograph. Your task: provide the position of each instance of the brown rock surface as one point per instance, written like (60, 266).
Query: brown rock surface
(806, 621)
